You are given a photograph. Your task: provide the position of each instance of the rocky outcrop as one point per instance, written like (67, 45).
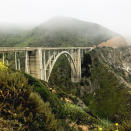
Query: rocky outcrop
(119, 61)
(115, 42)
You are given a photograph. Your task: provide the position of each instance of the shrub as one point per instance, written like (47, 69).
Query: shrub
(10, 125)
(3, 67)
(110, 97)
(78, 115)
(55, 103)
(44, 119)
(18, 102)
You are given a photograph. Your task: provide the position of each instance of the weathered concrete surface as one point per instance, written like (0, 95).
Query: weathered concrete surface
(18, 49)
(39, 61)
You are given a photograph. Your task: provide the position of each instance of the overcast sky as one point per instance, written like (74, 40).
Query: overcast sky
(114, 14)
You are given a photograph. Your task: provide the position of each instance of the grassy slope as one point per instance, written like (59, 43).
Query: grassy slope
(30, 110)
(60, 108)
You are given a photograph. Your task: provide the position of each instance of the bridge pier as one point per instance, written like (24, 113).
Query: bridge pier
(33, 63)
(76, 76)
(19, 66)
(27, 62)
(15, 60)
(39, 64)
(44, 66)
(3, 57)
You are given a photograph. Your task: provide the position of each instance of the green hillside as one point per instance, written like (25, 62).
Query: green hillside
(60, 31)
(98, 101)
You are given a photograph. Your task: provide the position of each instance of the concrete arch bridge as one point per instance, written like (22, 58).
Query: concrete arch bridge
(40, 61)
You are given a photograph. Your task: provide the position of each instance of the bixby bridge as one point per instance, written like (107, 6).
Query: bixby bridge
(39, 61)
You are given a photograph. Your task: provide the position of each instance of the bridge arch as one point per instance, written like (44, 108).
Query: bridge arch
(69, 58)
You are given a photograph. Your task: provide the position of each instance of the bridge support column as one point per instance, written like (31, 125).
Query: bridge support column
(49, 70)
(19, 64)
(33, 63)
(15, 60)
(76, 76)
(3, 58)
(27, 62)
(78, 64)
(44, 66)
(39, 64)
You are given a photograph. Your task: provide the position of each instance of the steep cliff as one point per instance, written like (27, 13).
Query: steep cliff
(116, 60)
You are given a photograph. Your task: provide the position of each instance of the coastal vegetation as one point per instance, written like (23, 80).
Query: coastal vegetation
(100, 101)
(97, 102)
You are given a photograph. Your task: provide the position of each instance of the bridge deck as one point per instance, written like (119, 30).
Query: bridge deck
(15, 49)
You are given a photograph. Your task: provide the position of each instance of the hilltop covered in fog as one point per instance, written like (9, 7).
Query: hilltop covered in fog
(58, 31)
(64, 31)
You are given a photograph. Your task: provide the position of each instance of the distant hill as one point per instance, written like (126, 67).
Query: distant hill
(60, 31)
(64, 31)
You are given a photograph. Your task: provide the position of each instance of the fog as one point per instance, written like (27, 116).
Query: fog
(113, 14)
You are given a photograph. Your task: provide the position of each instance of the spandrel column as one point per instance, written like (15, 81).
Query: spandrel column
(27, 62)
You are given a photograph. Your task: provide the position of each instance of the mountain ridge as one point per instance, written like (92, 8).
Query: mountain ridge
(60, 31)
(69, 30)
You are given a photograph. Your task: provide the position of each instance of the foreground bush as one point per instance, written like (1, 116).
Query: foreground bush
(10, 125)
(18, 102)
(3, 67)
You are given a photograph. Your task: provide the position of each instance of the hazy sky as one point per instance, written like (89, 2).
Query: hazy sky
(114, 14)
